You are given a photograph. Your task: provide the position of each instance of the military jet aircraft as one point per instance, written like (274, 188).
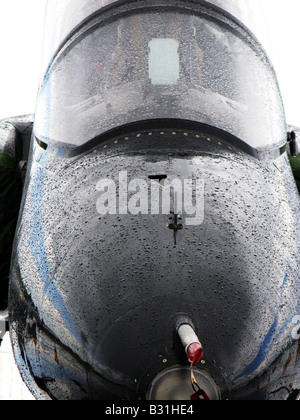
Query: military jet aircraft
(156, 251)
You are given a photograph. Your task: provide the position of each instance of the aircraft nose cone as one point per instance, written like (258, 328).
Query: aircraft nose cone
(109, 286)
(123, 277)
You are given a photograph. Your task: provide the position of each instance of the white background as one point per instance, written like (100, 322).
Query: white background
(21, 36)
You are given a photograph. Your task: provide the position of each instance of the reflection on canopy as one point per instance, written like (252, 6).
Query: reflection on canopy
(160, 65)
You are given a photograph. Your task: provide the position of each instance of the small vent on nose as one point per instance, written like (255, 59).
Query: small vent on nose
(158, 177)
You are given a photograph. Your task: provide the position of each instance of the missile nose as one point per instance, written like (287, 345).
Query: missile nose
(195, 353)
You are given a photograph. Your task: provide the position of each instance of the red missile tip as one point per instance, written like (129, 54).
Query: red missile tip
(195, 353)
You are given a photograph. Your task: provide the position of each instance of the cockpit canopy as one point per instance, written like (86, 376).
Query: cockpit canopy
(149, 65)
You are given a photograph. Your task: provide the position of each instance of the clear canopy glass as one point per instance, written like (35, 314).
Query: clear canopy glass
(151, 65)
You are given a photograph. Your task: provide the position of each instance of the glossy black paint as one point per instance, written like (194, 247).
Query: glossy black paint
(95, 299)
(96, 319)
